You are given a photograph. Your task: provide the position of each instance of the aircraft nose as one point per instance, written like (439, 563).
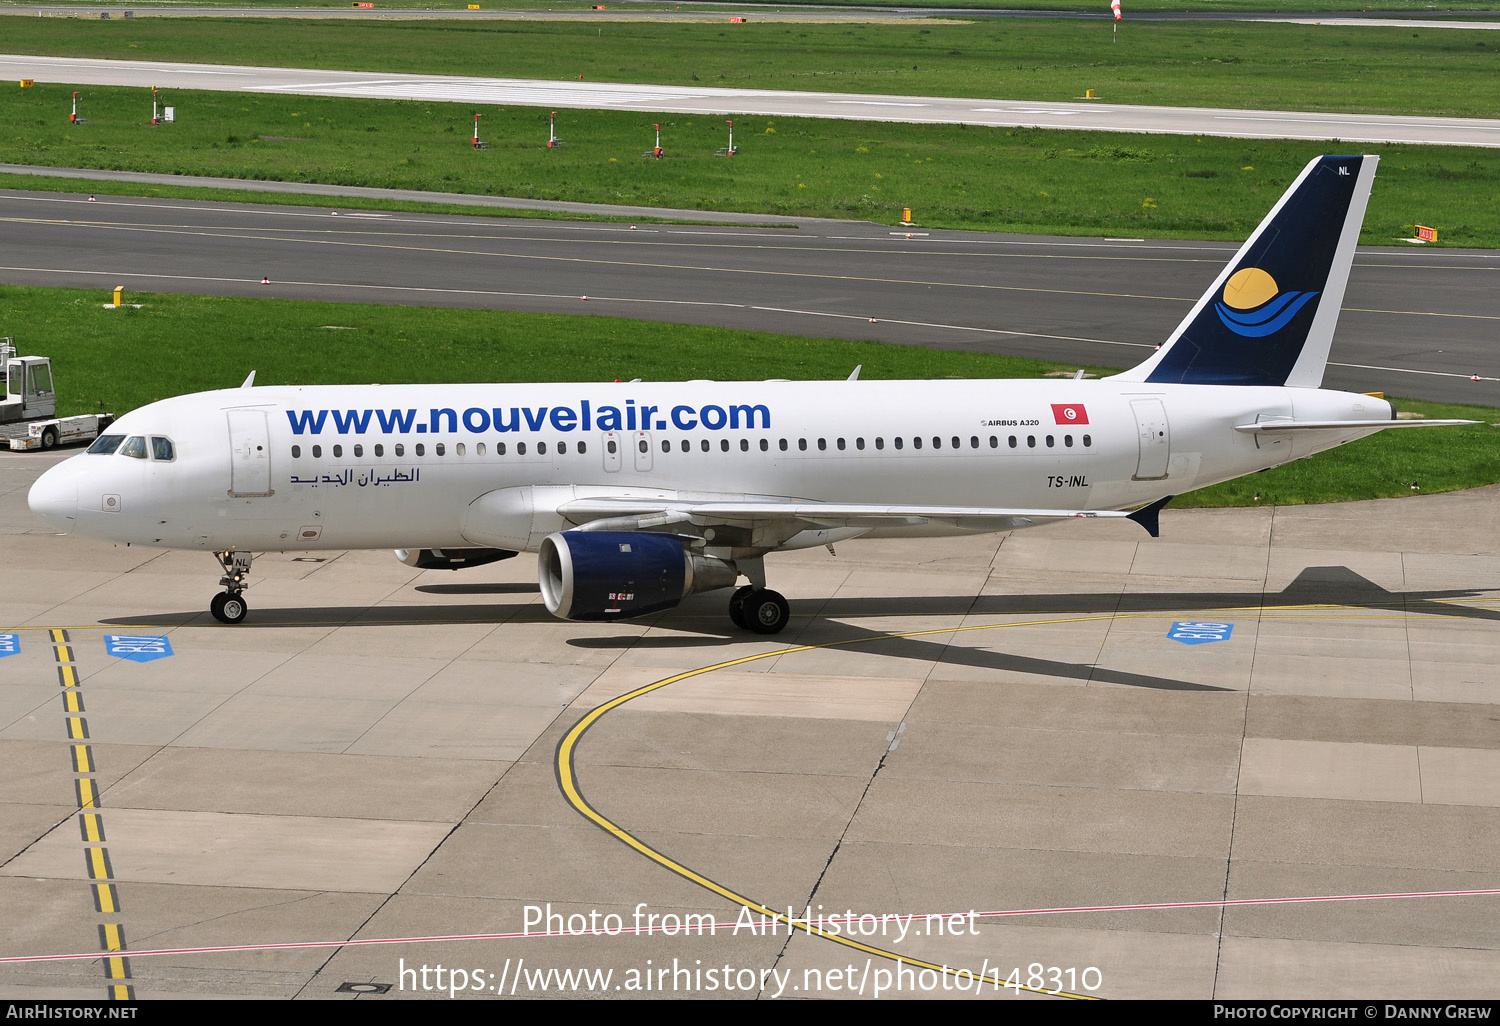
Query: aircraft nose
(54, 498)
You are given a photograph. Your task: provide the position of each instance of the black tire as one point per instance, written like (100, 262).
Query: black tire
(228, 608)
(49, 439)
(737, 606)
(766, 612)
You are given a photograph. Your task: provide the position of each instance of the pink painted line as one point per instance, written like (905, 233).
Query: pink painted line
(716, 926)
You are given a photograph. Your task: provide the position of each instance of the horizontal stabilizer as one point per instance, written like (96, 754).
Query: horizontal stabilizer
(1276, 427)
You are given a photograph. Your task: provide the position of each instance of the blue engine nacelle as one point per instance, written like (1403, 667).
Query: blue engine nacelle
(614, 575)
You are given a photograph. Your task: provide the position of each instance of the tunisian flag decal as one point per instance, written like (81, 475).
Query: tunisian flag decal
(1069, 413)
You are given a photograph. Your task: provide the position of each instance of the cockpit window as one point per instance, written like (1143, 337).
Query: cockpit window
(134, 448)
(106, 444)
(162, 449)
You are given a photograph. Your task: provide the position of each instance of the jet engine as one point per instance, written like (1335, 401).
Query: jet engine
(451, 559)
(614, 575)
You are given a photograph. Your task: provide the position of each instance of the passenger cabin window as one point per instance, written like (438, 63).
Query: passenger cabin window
(338, 451)
(135, 448)
(379, 450)
(296, 452)
(317, 452)
(104, 445)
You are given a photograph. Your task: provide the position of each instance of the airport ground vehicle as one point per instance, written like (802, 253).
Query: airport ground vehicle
(28, 413)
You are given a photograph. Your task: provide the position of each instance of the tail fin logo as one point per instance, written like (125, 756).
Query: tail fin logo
(1254, 305)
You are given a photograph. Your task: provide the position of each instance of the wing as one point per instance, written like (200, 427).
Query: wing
(769, 523)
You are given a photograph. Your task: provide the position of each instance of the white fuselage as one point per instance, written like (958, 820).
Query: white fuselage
(398, 466)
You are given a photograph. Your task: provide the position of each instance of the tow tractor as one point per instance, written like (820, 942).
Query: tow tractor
(28, 415)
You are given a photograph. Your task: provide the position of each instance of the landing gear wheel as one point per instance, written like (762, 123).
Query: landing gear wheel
(765, 612)
(228, 608)
(737, 606)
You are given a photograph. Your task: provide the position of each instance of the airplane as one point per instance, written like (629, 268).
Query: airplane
(636, 495)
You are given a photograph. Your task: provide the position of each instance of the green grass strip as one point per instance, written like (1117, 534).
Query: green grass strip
(1014, 180)
(119, 359)
(1261, 65)
(1469, 8)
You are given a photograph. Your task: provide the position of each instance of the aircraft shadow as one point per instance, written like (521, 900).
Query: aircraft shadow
(1319, 585)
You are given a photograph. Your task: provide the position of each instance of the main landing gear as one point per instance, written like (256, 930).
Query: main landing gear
(759, 609)
(229, 606)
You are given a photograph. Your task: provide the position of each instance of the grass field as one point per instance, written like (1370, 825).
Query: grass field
(117, 360)
(1214, 64)
(1022, 180)
(1479, 7)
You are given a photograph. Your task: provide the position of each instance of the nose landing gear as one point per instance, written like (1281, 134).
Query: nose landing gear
(229, 606)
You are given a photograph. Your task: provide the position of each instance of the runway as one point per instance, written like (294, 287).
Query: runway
(379, 772)
(1093, 116)
(1416, 323)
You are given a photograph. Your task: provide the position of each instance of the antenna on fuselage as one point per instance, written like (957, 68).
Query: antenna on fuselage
(855, 376)
(249, 381)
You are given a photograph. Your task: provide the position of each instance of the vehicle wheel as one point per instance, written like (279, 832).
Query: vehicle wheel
(228, 608)
(765, 612)
(737, 606)
(49, 439)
